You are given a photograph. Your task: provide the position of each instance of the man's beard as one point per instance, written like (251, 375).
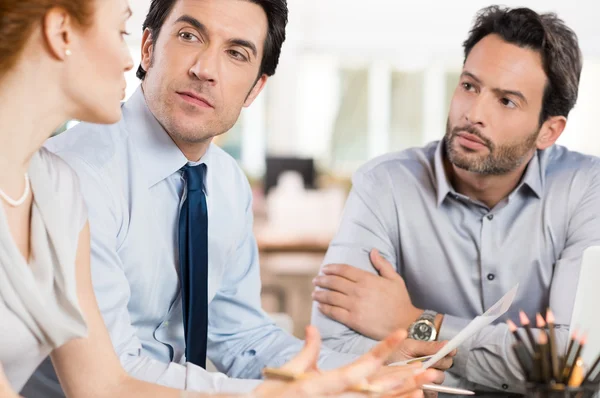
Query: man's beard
(500, 160)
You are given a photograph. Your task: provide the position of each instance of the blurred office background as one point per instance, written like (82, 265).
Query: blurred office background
(358, 79)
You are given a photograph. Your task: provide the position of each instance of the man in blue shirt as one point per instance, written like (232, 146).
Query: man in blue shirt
(463, 220)
(174, 260)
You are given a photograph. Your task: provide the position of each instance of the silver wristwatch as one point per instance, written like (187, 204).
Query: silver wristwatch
(424, 328)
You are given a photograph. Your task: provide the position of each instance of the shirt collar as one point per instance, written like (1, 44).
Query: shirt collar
(533, 176)
(442, 182)
(159, 155)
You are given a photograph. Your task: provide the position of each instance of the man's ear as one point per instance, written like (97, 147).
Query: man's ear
(147, 49)
(258, 87)
(57, 31)
(550, 131)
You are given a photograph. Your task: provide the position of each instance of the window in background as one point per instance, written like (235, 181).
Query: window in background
(406, 116)
(452, 79)
(65, 127)
(349, 144)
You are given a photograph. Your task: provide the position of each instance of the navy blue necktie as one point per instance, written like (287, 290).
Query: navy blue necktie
(193, 264)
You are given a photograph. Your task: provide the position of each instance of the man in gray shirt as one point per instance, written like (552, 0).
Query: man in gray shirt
(463, 220)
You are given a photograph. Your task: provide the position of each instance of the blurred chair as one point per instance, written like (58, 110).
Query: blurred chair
(277, 165)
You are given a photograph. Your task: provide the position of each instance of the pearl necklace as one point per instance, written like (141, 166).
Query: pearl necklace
(21, 200)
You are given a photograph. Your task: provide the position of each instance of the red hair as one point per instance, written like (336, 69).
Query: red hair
(18, 19)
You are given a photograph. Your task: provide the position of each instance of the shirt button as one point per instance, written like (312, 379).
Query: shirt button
(490, 217)
(491, 277)
(166, 324)
(505, 386)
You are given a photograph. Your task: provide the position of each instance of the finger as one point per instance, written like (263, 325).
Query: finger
(335, 283)
(442, 344)
(332, 298)
(444, 363)
(378, 354)
(340, 380)
(439, 375)
(383, 266)
(307, 358)
(338, 314)
(413, 383)
(349, 272)
(392, 377)
(417, 348)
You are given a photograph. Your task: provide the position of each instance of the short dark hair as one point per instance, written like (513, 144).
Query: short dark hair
(277, 17)
(546, 34)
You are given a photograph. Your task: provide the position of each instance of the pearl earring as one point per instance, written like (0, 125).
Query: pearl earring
(68, 52)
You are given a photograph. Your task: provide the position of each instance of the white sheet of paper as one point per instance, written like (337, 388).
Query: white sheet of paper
(475, 325)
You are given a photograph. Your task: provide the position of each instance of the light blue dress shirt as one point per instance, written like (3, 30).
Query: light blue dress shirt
(458, 257)
(133, 189)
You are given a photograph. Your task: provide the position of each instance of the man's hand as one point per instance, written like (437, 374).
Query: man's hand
(415, 349)
(373, 305)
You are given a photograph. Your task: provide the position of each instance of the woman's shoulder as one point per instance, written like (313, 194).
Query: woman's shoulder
(63, 183)
(61, 176)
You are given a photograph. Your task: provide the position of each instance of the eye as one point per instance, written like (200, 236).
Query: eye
(125, 33)
(508, 103)
(189, 37)
(467, 86)
(237, 55)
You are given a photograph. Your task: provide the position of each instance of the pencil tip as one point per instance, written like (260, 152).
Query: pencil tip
(540, 321)
(550, 316)
(511, 325)
(523, 317)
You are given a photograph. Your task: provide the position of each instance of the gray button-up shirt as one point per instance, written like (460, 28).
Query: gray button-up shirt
(458, 257)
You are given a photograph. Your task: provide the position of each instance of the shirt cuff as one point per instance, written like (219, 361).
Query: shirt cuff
(451, 326)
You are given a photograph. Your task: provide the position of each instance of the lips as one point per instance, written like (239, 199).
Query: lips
(471, 137)
(195, 99)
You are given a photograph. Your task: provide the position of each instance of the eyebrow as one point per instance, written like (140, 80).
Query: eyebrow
(499, 91)
(513, 93)
(202, 29)
(245, 43)
(194, 22)
(470, 75)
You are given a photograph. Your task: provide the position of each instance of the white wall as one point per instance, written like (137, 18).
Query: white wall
(583, 132)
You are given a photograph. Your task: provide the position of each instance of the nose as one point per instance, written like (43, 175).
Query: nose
(475, 114)
(128, 61)
(206, 65)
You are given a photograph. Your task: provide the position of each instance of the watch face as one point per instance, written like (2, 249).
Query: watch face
(422, 331)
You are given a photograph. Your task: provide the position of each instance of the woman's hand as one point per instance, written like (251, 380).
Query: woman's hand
(395, 381)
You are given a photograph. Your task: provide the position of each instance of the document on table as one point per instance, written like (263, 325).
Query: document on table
(496, 311)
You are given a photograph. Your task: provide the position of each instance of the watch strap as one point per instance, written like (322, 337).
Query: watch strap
(428, 315)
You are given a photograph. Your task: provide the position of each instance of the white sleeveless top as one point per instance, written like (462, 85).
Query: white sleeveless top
(39, 310)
